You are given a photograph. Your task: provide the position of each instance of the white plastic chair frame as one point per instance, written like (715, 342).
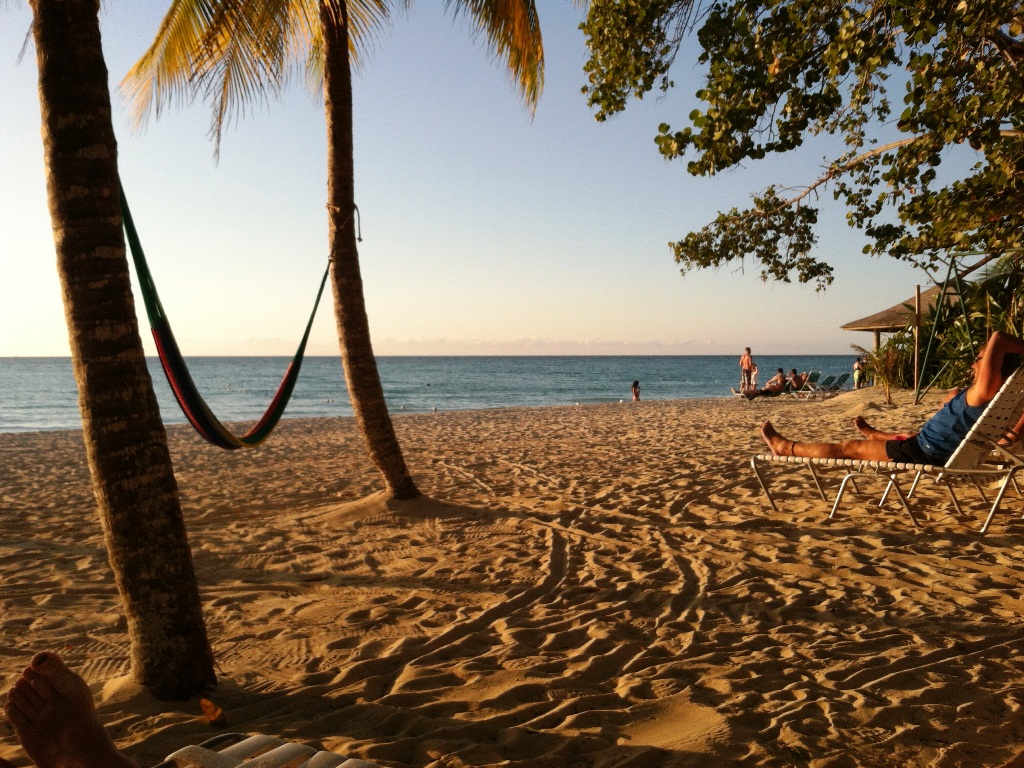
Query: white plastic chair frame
(257, 752)
(965, 464)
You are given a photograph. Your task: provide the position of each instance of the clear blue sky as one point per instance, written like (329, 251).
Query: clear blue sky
(484, 231)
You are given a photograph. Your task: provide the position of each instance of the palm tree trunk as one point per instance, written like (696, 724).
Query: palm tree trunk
(125, 440)
(361, 375)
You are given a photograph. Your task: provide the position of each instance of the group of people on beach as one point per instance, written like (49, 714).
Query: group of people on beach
(794, 381)
(776, 384)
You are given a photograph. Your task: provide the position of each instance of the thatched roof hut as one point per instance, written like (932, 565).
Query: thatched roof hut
(898, 317)
(901, 316)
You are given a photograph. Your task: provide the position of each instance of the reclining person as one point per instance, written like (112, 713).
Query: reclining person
(940, 435)
(773, 386)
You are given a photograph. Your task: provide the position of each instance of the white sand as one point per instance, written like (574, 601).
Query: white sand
(603, 586)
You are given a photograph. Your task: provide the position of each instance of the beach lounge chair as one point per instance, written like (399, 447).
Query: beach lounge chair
(825, 384)
(786, 390)
(235, 750)
(833, 389)
(755, 393)
(809, 387)
(968, 462)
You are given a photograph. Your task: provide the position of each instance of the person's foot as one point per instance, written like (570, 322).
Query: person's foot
(863, 427)
(54, 717)
(779, 445)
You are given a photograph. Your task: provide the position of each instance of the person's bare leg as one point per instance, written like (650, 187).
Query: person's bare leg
(54, 717)
(847, 449)
(1014, 434)
(871, 433)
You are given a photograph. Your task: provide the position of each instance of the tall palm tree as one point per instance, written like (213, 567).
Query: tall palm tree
(234, 50)
(125, 441)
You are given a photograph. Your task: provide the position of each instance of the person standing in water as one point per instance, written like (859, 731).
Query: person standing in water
(636, 391)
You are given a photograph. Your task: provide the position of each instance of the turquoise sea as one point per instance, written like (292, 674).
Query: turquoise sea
(39, 393)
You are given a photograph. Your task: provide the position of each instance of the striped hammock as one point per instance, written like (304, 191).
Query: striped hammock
(184, 388)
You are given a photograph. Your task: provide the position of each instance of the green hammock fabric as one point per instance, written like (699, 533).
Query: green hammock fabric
(184, 388)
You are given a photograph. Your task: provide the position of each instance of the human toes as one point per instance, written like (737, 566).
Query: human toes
(48, 664)
(22, 706)
(26, 697)
(49, 667)
(16, 715)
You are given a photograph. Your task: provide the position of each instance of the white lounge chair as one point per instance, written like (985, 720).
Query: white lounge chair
(968, 462)
(257, 752)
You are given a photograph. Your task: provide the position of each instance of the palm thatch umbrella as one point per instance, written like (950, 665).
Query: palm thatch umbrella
(898, 317)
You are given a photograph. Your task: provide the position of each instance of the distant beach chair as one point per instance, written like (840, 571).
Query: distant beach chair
(235, 750)
(825, 384)
(833, 389)
(968, 462)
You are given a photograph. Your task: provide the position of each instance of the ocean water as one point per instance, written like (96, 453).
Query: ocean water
(39, 393)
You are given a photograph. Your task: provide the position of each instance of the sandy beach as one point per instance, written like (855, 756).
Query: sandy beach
(585, 586)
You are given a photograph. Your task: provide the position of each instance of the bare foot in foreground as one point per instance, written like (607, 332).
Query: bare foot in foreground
(779, 445)
(54, 717)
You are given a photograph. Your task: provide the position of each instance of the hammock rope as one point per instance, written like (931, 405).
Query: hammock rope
(180, 380)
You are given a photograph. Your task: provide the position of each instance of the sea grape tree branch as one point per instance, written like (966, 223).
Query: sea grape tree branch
(778, 71)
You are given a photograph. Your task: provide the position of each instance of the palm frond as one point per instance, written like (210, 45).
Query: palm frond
(246, 57)
(162, 75)
(366, 20)
(233, 53)
(512, 30)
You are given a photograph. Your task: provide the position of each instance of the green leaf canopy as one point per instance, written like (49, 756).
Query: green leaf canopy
(779, 71)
